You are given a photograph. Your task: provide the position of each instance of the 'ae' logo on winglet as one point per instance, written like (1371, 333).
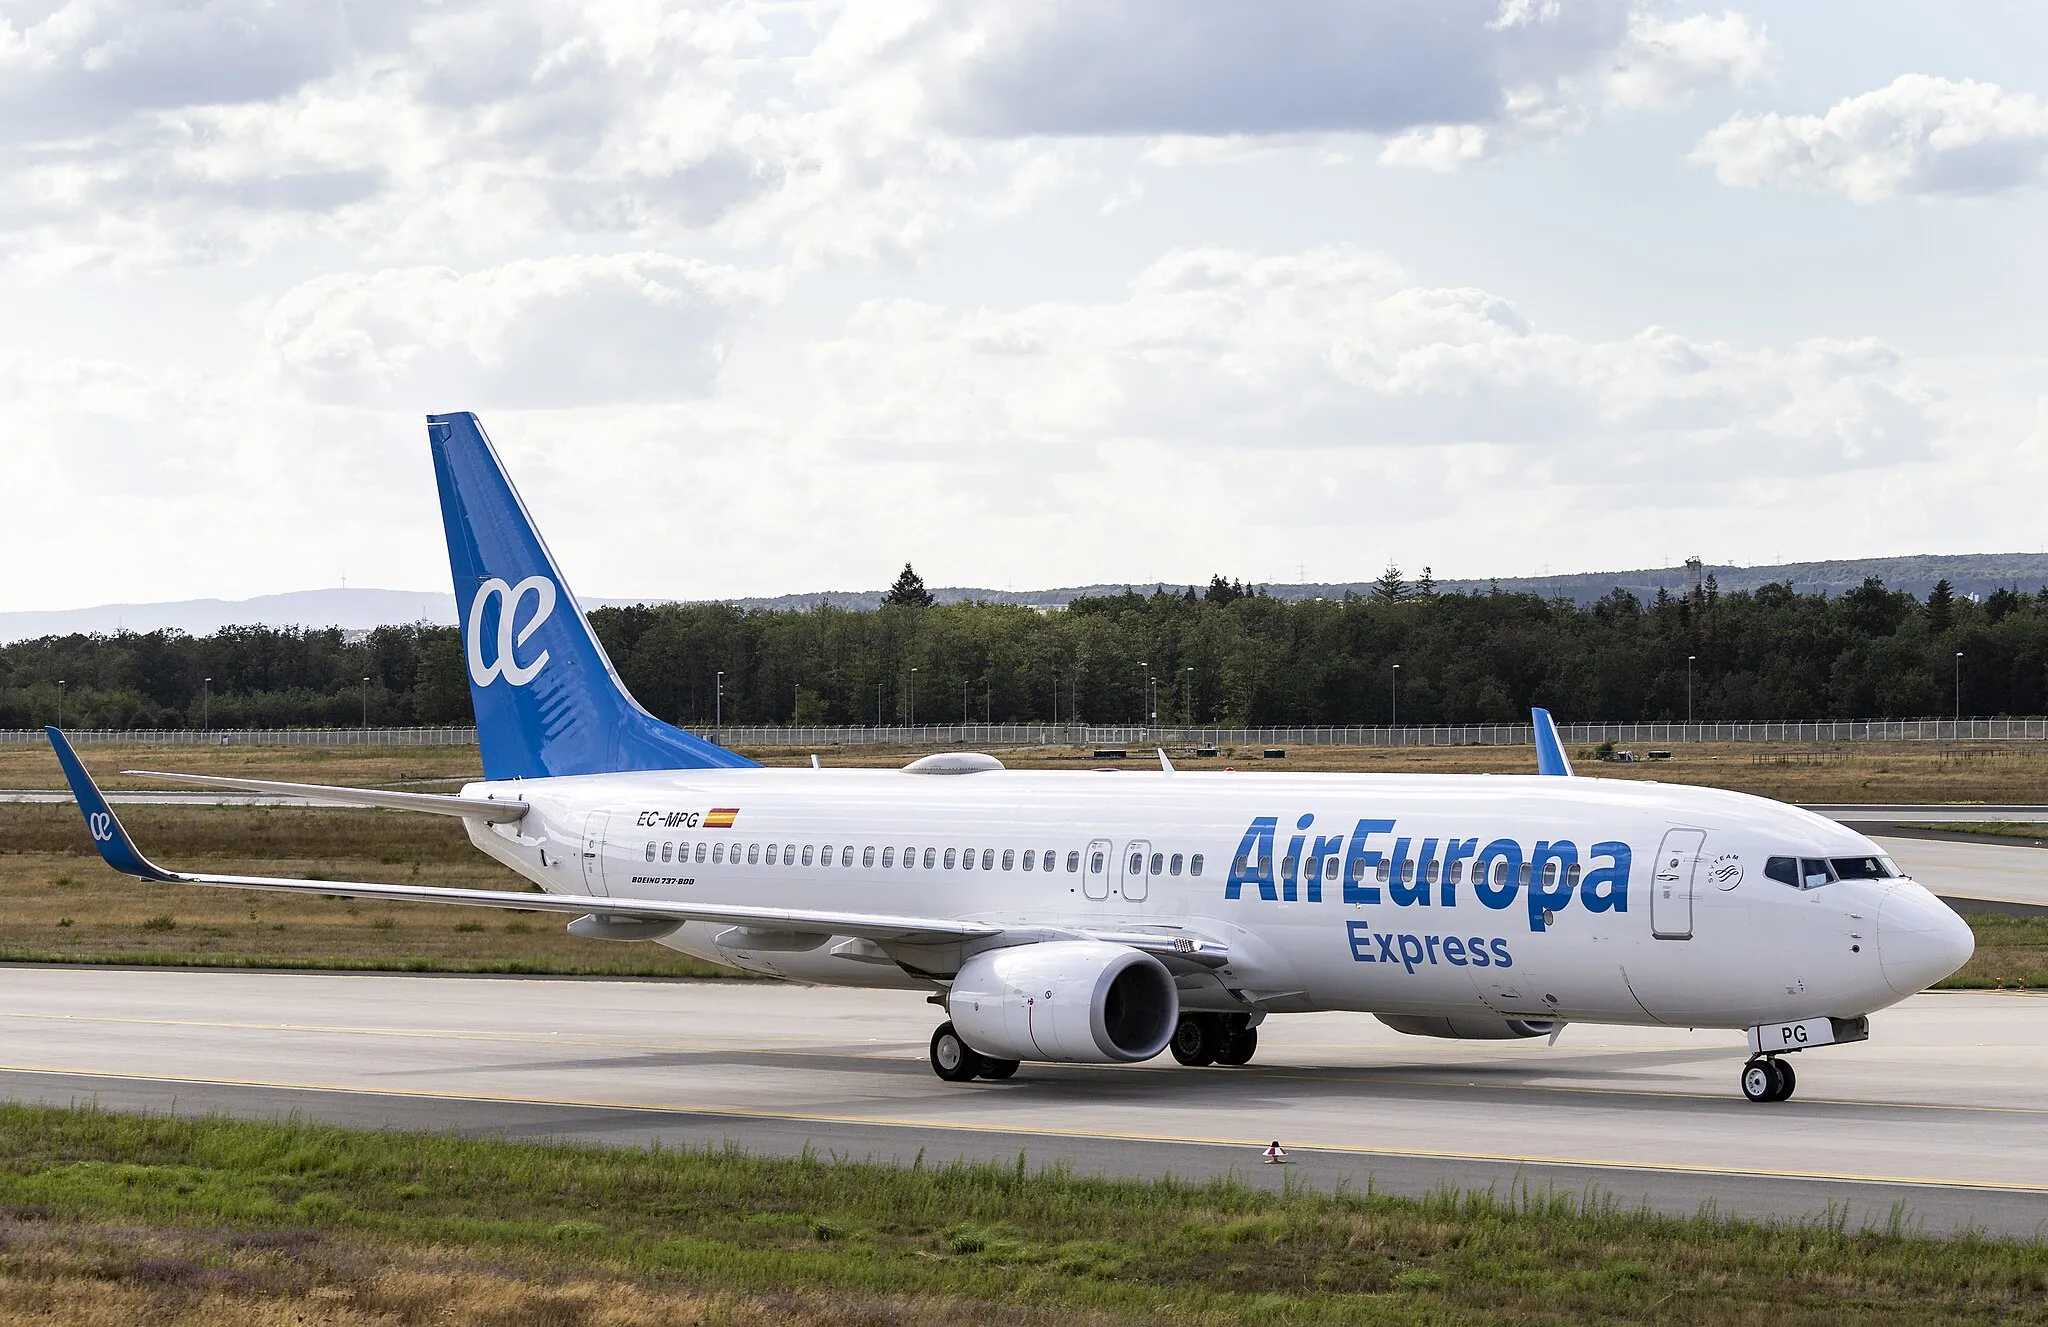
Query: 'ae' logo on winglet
(102, 826)
(505, 660)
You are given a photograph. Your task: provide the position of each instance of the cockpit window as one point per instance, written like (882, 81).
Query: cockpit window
(1862, 868)
(1800, 872)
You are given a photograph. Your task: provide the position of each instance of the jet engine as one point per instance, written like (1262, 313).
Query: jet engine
(1082, 1001)
(1463, 1027)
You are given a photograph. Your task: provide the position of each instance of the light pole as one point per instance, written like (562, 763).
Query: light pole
(60, 702)
(206, 704)
(1186, 716)
(1688, 687)
(910, 701)
(878, 703)
(718, 709)
(366, 702)
(1959, 692)
(1395, 688)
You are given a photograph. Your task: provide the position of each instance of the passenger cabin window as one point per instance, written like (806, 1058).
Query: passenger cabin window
(1095, 862)
(1010, 859)
(1457, 871)
(1074, 861)
(700, 853)
(717, 852)
(1173, 865)
(988, 859)
(1195, 864)
(807, 854)
(1137, 863)
(949, 857)
(931, 856)
(1030, 859)
(751, 849)
(1158, 862)
(967, 861)
(867, 857)
(773, 855)
(1050, 860)
(650, 852)
(888, 858)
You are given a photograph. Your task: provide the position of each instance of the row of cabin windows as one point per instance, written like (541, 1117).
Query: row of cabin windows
(966, 859)
(1432, 870)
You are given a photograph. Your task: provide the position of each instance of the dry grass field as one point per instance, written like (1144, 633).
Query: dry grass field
(58, 903)
(1898, 772)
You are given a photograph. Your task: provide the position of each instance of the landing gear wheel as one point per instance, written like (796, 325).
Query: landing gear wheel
(1238, 1046)
(953, 1059)
(997, 1069)
(1766, 1080)
(1196, 1039)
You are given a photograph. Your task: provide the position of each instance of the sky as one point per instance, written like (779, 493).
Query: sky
(759, 298)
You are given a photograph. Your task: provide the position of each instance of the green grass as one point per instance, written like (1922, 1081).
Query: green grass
(2012, 952)
(2005, 829)
(967, 1243)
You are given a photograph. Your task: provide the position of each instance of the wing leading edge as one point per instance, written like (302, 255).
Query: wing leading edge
(119, 851)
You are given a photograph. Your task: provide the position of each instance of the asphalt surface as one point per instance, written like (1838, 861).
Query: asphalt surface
(1938, 1117)
(2006, 872)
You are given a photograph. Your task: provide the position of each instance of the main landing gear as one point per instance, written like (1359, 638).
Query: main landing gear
(1201, 1039)
(1768, 1078)
(957, 1062)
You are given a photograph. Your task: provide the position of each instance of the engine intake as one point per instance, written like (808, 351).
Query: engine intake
(1080, 1001)
(1460, 1027)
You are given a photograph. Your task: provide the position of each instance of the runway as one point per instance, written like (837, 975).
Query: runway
(2004, 872)
(1941, 1110)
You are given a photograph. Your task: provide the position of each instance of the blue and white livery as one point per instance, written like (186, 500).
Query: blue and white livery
(1107, 917)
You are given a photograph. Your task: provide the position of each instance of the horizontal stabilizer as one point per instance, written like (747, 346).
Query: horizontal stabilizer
(441, 804)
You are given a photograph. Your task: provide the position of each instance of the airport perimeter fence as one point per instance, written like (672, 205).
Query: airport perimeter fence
(1135, 737)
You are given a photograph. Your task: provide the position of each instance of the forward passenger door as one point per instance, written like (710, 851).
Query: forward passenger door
(1671, 885)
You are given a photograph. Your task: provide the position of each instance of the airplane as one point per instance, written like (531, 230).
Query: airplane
(1105, 917)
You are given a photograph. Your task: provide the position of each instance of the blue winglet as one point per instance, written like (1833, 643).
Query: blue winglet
(100, 821)
(1550, 757)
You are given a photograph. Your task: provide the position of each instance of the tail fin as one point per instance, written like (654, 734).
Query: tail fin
(548, 701)
(1550, 756)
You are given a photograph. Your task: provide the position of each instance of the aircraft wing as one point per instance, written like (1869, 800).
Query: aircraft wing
(119, 851)
(474, 808)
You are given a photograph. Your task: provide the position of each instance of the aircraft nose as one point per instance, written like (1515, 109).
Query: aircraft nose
(1920, 939)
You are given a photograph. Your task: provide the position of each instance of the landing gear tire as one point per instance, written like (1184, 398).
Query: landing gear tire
(1196, 1039)
(1767, 1080)
(953, 1059)
(997, 1069)
(1238, 1045)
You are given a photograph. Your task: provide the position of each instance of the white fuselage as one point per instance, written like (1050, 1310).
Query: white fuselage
(1651, 904)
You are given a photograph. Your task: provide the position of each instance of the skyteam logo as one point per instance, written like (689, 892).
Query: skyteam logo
(505, 658)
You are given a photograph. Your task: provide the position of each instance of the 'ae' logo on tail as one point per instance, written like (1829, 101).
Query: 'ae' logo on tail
(505, 660)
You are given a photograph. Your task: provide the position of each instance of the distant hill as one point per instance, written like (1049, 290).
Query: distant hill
(1975, 574)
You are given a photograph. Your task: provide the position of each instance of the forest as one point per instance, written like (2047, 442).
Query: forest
(1225, 654)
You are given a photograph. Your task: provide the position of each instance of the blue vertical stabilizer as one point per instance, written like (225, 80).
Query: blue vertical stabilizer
(1550, 756)
(548, 701)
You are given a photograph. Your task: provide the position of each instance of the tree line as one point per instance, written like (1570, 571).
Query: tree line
(1229, 654)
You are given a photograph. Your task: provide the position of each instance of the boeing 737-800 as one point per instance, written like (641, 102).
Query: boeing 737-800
(1107, 917)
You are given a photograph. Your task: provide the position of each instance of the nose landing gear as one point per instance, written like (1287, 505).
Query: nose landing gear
(1768, 1078)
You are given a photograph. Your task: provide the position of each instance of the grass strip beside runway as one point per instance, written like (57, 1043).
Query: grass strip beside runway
(120, 1217)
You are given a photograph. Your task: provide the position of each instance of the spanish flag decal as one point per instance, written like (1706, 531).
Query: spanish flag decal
(721, 817)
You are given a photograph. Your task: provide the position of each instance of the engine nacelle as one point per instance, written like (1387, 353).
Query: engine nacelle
(1464, 1027)
(1084, 1001)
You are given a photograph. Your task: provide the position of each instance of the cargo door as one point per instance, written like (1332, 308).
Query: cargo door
(593, 853)
(1678, 862)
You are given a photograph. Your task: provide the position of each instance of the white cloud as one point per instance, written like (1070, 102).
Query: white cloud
(548, 332)
(1332, 351)
(1663, 61)
(1921, 136)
